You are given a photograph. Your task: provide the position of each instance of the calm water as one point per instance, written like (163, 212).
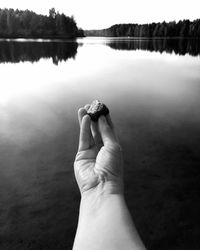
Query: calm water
(153, 91)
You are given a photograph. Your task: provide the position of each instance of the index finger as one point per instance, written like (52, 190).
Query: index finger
(81, 113)
(85, 134)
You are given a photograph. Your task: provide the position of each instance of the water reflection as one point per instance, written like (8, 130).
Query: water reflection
(154, 102)
(15, 51)
(177, 46)
(33, 51)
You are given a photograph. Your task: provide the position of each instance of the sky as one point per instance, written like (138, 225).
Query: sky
(97, 14)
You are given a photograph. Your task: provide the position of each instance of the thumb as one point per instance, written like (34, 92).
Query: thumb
(106, 132)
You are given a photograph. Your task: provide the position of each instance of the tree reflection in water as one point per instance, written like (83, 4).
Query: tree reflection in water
(177, 46)
(33, 51)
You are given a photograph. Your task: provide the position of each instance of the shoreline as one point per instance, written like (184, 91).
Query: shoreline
(113, 37)
(39, 37)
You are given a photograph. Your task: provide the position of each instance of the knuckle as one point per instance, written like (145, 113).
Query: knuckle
(115, 147)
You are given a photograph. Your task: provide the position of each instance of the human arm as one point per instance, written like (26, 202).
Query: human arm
(104, 220)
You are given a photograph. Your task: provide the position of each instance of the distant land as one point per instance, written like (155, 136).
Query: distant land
(185, 28)
(28, 24)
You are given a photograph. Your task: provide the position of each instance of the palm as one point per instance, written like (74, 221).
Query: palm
(93, 167)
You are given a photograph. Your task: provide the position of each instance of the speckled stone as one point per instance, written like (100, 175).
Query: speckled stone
(97, 109)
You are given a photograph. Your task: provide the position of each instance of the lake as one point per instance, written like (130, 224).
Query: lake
(152, 88)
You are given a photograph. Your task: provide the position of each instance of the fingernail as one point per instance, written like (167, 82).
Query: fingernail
(102, 118)
(88, 116)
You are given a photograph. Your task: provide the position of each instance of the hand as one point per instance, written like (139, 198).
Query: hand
(98, 164)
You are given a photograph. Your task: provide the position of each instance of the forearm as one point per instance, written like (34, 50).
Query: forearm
(105, 224)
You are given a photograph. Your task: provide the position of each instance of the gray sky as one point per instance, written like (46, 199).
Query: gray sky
(94, 14)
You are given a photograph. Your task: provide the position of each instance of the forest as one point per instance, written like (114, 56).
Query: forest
(185, 28)
(28, 24)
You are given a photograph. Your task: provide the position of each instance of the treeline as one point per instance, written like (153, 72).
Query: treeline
(184, 28)
(15, 52)
(26, 24)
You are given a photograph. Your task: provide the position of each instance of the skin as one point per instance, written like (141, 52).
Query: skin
(104, 220)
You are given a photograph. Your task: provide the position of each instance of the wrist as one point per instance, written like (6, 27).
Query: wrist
(94, 200)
